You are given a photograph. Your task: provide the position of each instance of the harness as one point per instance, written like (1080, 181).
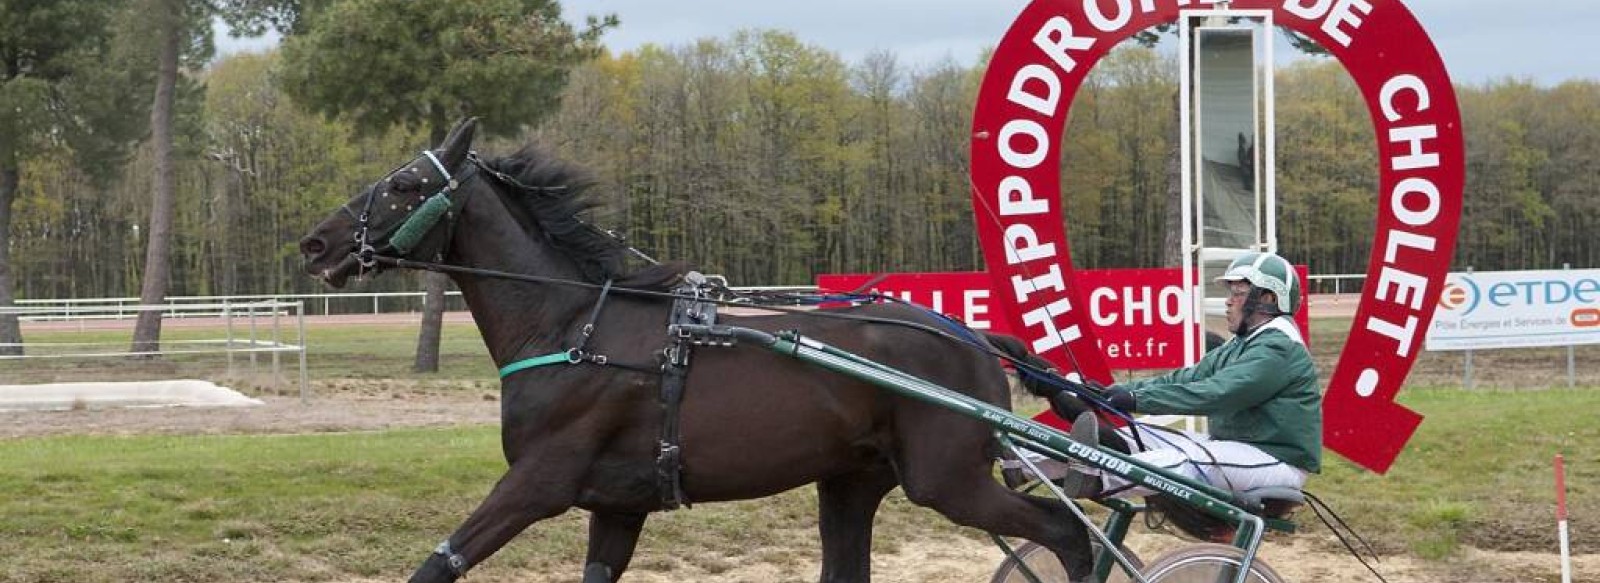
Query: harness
(575, 355)
(690, 307)
(692, 304)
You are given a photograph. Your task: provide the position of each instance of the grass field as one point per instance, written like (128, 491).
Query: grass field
(332, 506)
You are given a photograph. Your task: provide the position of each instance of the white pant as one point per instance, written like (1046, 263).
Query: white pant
(1229, 465)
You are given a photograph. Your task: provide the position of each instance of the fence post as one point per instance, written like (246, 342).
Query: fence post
(253, 339)
(1467, 369)
(227, 323)
(300, 314)
(277, 342)
(1572, 369)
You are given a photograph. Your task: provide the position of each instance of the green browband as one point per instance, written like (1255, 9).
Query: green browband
(537, 361)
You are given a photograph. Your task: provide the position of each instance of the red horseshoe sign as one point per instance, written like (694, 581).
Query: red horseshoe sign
(1020, 119)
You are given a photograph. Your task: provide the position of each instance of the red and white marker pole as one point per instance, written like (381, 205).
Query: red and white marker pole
(1561, 519)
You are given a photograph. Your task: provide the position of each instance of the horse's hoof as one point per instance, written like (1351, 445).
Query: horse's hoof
(596, 573)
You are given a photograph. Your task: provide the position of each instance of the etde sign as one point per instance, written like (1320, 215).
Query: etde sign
(1506, 309)
(1020, 119)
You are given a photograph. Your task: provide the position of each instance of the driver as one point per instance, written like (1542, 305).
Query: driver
(1258, 392)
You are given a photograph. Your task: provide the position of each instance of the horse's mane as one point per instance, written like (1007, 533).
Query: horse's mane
(554, 192)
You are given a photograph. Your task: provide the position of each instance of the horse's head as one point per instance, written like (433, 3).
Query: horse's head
(402, 214)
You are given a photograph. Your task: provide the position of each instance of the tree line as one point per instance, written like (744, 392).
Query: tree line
(72, 71)
(770, 160)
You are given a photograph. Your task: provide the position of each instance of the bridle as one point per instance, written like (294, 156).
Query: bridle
(417, 223)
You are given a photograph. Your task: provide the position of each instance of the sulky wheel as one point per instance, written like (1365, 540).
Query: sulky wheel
(1044, 564)
(1207, 563)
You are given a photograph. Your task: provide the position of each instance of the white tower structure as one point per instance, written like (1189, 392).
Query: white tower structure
(1228, 145)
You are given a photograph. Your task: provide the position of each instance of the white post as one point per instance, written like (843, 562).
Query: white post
(1268, 155)
(277, 342)
(1466, 369)
(300, 314)
(1561, 520)
(1572, 368)
(227, 323)
(253, 338)
(1185, 139)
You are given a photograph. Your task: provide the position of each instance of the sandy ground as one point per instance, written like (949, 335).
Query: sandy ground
(339, 405)
(1302, 559)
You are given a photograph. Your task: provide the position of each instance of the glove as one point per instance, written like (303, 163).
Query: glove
(1122, 399)
(1095, 387)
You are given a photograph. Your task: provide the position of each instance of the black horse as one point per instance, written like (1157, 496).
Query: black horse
(754, 423)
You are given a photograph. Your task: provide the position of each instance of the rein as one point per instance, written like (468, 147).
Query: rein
(560, 357)
(578, 355)
(1081, 391)
(439, 205)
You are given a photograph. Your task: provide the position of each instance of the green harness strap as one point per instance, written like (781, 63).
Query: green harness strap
(527, 363)
(573, 355)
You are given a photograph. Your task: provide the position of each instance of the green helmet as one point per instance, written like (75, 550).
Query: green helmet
(1270, 272)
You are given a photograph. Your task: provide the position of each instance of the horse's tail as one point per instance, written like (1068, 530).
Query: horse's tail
(1013, 350)
(1041, 378)
(1030, 367)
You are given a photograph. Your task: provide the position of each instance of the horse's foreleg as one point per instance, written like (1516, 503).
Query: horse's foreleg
(612, 537)
(847, 504)
(524, 495)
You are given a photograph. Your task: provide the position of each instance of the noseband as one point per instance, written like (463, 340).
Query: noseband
(418, 223)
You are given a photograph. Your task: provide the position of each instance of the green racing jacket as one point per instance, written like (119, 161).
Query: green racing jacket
(1259, 389)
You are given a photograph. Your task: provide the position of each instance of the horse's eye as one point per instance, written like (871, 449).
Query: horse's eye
(405, 182)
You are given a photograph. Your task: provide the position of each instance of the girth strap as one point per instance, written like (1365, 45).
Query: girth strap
(689, 308)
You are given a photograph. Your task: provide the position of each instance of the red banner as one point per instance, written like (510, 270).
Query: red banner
(1137, 315)
(1016, 180)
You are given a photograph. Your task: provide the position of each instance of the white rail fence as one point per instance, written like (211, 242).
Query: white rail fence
(388, 302)
(196, 306)
(1343, 283)
(250, 328)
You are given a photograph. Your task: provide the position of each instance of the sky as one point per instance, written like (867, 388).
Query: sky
(1546, 41)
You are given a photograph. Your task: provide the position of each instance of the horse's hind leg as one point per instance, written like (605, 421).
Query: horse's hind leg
(987, 505)
(526, 494)
(847, 504)
(960, 485)
(612, 538)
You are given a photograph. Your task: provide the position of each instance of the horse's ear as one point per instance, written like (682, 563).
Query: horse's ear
(456, 145)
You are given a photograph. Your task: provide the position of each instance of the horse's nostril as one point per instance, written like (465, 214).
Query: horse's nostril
(312, 246)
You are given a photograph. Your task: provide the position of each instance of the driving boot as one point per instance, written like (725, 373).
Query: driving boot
(1078, 483)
